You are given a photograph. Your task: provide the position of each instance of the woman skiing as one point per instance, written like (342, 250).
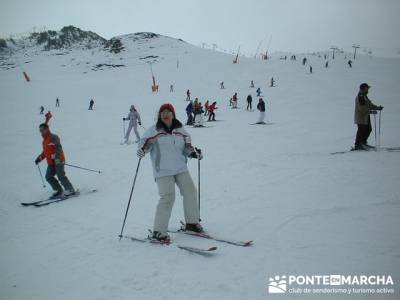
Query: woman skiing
(170, 146)
(134, 119)
(211, 109)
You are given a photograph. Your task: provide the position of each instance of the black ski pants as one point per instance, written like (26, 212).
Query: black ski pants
(249, 105)
(53, 170)
(363, 133)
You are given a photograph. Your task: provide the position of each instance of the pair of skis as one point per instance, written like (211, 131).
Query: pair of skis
(52, 200)
(197, 250)
(262, 123)
(388, 149)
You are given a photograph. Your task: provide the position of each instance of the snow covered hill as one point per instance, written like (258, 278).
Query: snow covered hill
(309, 212)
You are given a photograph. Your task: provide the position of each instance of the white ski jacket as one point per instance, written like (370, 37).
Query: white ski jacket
(133, 118)
(168, 151)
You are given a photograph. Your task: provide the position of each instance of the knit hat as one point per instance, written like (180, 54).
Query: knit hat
(364, 86)
(167, 106)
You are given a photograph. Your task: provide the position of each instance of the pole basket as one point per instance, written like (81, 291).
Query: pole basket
(154, 88)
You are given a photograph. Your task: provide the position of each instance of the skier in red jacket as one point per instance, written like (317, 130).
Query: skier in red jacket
(211, 109)
(54, 154)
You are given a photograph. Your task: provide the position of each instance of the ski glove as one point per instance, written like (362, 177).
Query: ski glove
(123, 119)
(380, 107)
(140, 123)
(196, 154)
(140, 153)
(37, 160)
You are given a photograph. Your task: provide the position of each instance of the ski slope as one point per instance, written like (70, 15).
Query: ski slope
(307, 211)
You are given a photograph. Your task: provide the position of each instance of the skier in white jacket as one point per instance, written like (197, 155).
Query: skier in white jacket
(170, 146)
(133, 118)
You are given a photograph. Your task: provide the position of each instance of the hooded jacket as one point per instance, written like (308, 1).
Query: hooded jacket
(133, 118)
(168, 147)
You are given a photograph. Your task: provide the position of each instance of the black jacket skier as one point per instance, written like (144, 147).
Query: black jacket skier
(249, 100)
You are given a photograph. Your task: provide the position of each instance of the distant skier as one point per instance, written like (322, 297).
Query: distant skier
(57, 102)
(134, 119)
(272, 82)
(326, 64)
(171, 88)
(235, 101)
(310, 69)
(350, 63)
(363, 108)
(198, 114)
(170, 145)
(222, 85)
(206, 107)
(252, 84)
(211, 110)
(41, 110)
(249, 101)
(189, 113)
(188, 95)
(53, 153)
(258, 91)
(91, 103)
(304, 61)
(261, 109)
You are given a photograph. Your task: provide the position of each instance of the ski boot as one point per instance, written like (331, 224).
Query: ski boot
(369, 146)
(160, 237)
(360, 147)
(195, 227)
(69, 193)
(56, 195)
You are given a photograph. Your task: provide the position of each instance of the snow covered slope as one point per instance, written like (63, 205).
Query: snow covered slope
(308, 212)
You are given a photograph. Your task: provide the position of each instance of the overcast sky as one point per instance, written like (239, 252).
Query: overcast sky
(295, 25)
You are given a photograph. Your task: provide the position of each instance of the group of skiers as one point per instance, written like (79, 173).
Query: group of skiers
(170, 146)
(195, 112)
(91, 103)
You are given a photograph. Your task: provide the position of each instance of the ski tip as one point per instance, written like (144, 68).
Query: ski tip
(212, 248)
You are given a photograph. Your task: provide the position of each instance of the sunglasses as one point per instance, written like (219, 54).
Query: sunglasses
(166, 113)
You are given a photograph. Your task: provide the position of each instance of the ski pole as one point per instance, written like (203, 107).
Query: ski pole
(41, 176)
(130, 198)
(78, 167)
(198, 179)
(379, 129)
(123, 121)
(375, 128)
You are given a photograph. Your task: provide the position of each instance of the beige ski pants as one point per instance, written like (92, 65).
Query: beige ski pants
(166, 190)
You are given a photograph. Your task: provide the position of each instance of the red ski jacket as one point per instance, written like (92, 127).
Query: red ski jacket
(212, 107)
(52, 149)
